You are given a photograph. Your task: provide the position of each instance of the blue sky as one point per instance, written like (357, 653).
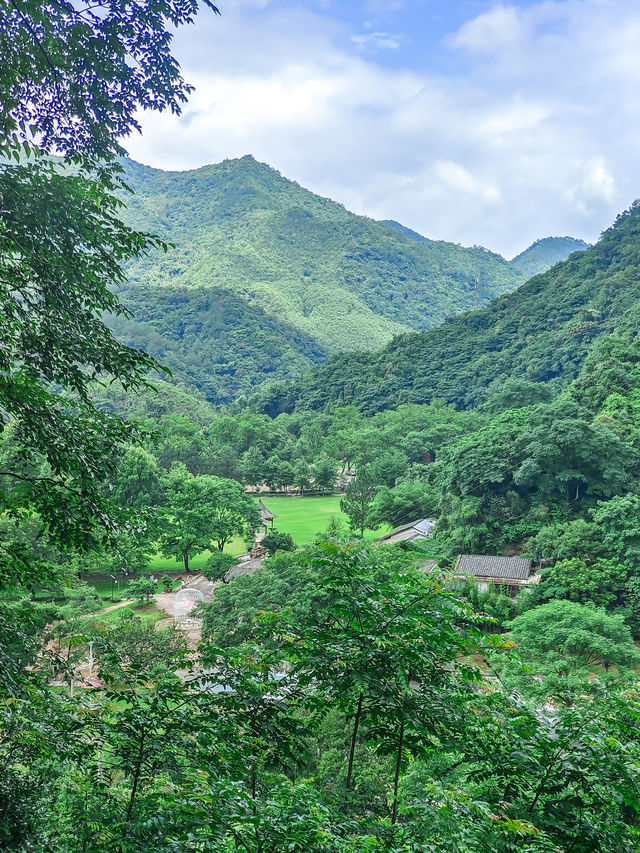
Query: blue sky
(490, 123)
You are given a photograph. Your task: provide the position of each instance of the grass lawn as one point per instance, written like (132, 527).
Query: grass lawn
(160, 564)
(305, 517)
(114, 616)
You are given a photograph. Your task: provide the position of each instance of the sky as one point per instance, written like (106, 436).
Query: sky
(478, 122)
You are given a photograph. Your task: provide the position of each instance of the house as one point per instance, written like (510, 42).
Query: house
(514, 572)
(409, 532)
(267, 517)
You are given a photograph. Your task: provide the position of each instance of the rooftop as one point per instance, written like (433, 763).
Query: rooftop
(487, 566)
(265, 513)
(409, 532)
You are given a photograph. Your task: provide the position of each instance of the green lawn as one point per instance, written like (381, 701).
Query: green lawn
(160, 564)
(305, 517)
(302, 517)
(114, 616)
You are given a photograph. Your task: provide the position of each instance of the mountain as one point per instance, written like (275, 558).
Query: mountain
(543, 254)
(408, 232)
(534, 338)
(539, 257)
(267, 278)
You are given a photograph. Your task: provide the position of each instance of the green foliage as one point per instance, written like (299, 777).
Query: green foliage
(142, 589)
(545, 253)
(217, 565)
(203, 509)
(601, 582)
(408, 501)
(139, 646)
(62, 247)
(542, 333)
(277, 541)
(358, 499)
(566, 643)
(565, 541)
(268, 279)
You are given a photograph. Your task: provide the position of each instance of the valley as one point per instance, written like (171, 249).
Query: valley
(317, 534)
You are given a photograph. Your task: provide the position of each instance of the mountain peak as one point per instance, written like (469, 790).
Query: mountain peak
(545, 253)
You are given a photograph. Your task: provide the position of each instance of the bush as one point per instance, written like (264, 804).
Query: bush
(142, 589)
(218, 565)
(277, 541)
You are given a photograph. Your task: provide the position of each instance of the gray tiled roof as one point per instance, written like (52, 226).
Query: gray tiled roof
(265, 513)
(515, 568)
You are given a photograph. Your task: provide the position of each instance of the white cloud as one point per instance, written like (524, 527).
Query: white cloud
(535, 134)
(385, 41)
(501, 26)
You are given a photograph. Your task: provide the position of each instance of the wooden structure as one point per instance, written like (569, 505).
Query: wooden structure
(267, 518)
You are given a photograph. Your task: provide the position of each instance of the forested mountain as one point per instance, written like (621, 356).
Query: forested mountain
(539, 257)
(543, 254)
(542, 333)
(408, 232)
(213, 340)
(280, 277)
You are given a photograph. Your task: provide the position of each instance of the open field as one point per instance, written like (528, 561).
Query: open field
(305, 517)
(302, 517)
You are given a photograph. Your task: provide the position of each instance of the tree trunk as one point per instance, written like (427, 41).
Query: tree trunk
(394, 811)
(354, 737)
(185, 557)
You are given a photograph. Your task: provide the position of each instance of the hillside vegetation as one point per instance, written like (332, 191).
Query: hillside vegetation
(545, 253)
(542, 333)
(267, 278)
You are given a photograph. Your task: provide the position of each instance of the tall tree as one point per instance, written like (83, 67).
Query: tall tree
(72, 80)
(358, 500)
(202, 510)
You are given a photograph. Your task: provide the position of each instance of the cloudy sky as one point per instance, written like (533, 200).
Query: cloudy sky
(473, 121)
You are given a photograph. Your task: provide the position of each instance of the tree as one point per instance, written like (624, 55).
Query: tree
(142, 589)
(278, 541)
(358, 499)
(601, 583)
(324, 473)
(72, 80)
(384, 649)
(566, 643)
(137, 480)
(302, 475)
(140, 645)
(203, 509)
(388, 466)
(218, 565)
(579, 538)
(618, 521)
(253, 467)
(408, 501)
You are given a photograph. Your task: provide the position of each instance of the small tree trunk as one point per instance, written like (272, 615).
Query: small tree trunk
(185, 557)
(394, 811)
(354, 737)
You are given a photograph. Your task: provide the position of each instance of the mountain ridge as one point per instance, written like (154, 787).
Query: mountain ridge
(323, 279)
(538, 335)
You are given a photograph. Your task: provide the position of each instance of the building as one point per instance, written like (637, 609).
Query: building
(514, 572)
(409, 532)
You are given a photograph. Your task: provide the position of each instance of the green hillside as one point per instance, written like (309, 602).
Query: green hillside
(280, 276)
(543, 254)
(408, 232)
(539, 257)
(539, 334)
(213, 340)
